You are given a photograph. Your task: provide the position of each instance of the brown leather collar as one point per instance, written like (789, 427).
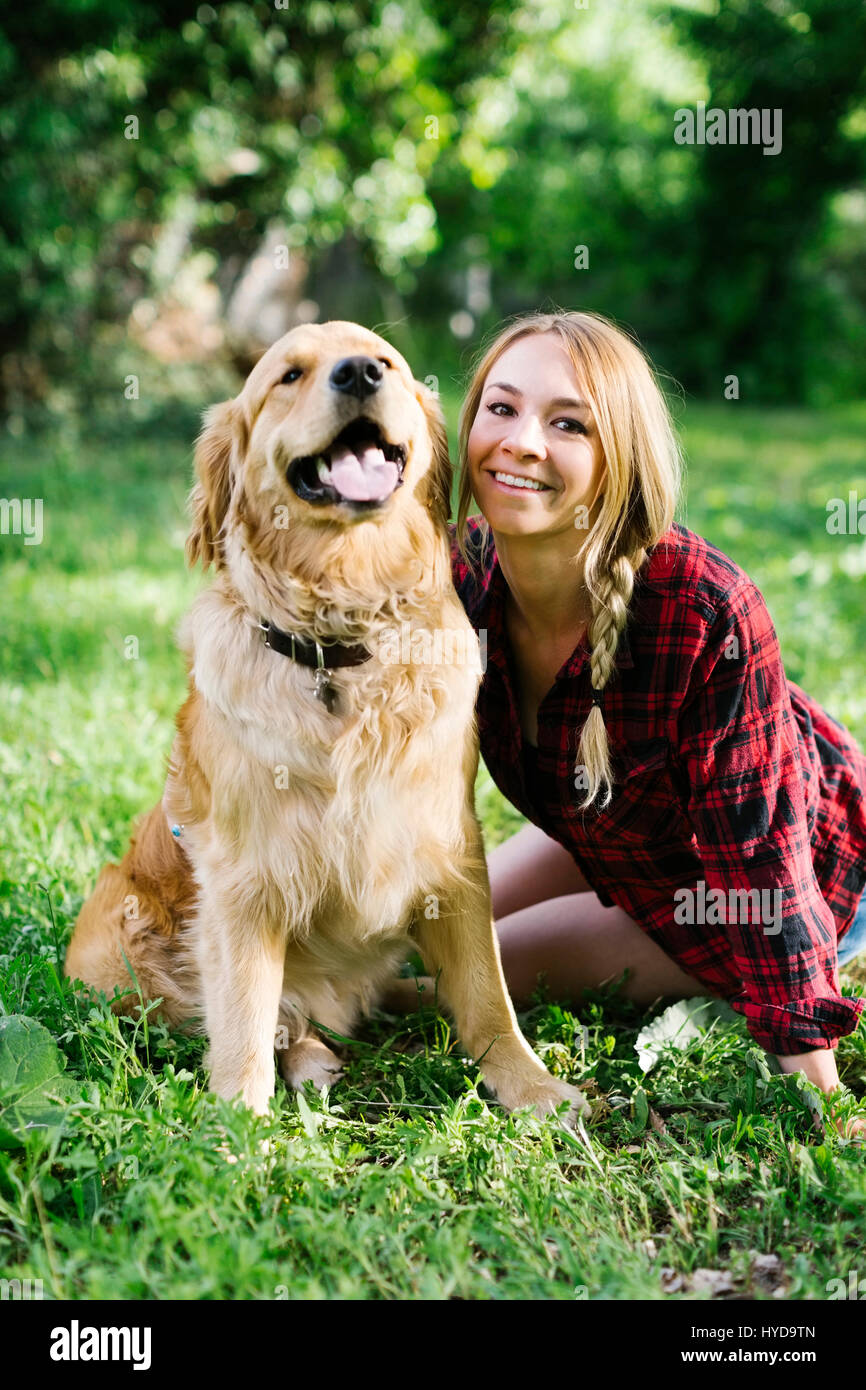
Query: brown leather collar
(319, 656)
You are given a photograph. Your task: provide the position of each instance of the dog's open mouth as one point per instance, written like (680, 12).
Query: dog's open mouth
(359, 466)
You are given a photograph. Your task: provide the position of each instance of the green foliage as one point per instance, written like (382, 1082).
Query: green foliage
(744, 256)
(34, 1092)
(403, 148)
(134, 131)
(724, 260)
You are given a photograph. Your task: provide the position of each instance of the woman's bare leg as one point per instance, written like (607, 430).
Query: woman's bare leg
(551, 925)
(575, 943)
(528, 868)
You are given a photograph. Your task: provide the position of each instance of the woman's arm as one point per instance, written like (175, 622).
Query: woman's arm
(820, 1068)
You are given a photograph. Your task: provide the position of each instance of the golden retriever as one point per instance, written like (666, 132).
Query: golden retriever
(318, 818)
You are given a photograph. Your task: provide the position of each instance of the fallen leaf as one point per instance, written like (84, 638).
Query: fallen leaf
(712, 1281)
(687, 1019)
(656, 1122)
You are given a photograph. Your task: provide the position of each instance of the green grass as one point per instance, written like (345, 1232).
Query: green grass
(403, 1182)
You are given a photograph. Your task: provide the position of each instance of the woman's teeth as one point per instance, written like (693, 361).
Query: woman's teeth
(510, 479)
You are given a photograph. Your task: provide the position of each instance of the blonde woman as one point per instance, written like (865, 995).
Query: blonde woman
(696, 819)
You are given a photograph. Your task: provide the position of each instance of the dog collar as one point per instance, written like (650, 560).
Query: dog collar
(320, 657)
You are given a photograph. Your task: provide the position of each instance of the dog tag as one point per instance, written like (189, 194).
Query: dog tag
(325, 691)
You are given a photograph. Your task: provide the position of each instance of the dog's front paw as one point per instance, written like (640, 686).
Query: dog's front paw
(310, 1060)
(544, 1097)
(557, 1092)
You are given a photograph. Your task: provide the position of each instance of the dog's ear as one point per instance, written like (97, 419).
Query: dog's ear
(439, 475)
(211, 493)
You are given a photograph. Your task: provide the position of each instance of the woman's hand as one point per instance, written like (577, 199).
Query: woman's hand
(819, 1067)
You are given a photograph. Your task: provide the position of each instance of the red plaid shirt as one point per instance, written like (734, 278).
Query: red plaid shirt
(727, 777)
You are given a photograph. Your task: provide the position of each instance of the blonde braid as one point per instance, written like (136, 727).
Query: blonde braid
(610, 602)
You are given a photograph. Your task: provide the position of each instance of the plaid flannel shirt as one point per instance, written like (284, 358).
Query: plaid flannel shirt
(727, 778)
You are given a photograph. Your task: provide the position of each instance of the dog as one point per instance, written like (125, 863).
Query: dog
(318, 817)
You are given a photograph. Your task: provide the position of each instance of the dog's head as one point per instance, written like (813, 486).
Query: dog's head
(329, 431)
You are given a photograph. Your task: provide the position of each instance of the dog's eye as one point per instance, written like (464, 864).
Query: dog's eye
(291, 375)
(385, 361)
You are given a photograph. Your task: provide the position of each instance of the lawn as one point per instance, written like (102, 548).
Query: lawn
(704, 1176)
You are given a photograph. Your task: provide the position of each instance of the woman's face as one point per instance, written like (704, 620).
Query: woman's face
(533, 424)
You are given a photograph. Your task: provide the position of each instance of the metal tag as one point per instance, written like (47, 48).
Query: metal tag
(325, 691)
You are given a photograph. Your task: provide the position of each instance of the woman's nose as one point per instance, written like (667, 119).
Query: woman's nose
(525, 436)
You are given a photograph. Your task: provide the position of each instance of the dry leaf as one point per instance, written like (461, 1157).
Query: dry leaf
(712, 1281)
(656, 1122)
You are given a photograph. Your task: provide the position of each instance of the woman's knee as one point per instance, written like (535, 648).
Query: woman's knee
(529, 868)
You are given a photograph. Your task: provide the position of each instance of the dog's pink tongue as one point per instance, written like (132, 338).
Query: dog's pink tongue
(365, 476)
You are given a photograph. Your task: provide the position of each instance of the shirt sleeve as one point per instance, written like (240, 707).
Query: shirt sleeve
(738, 746)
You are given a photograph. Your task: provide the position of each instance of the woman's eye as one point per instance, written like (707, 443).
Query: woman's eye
(574, 426)
(291, 375)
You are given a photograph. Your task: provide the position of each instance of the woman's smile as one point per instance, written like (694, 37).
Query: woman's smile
(515, 483)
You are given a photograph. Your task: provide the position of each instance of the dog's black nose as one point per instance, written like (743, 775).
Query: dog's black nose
(357, 376)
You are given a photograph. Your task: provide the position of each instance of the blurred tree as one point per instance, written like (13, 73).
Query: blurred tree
(59, 116)
(575, 179)
(723, 259)
(133, 130)
(748, 303)
(439, 167)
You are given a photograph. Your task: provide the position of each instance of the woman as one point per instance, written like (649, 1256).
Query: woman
(697, 819)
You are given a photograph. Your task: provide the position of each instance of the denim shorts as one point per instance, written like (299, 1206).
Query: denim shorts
(854, 940)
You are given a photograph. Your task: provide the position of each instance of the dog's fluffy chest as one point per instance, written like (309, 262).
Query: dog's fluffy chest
(365, 806)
